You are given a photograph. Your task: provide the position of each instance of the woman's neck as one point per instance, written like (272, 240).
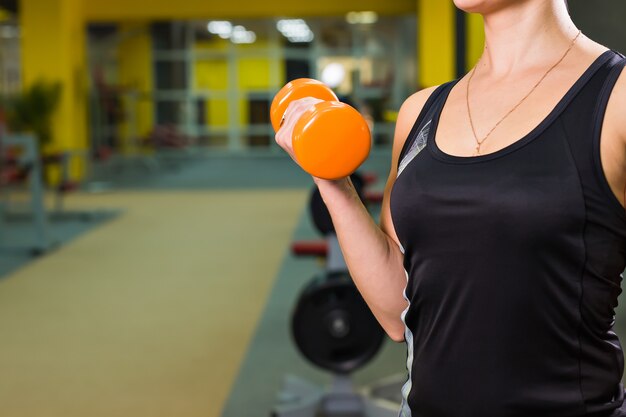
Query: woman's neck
(525, 34)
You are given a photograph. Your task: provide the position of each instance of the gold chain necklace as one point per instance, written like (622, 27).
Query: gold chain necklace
(480, 142)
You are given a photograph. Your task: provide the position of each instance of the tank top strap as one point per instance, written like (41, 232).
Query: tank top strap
(425, 115)
(615, 68)
(582, 121)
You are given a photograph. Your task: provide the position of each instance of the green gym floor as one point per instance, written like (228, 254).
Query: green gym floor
(177, 305)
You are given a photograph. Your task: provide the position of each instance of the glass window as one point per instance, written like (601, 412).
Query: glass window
(171, 75)
(168, 36)
(170, 112)
(216, 78)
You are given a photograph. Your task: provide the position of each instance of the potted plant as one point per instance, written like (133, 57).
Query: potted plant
(32, 110)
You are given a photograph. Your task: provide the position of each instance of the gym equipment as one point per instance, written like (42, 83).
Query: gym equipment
(332, 325)
(310, 248)
(21, 172)
(61, 160)
(370, 178)
(331, 139)
(374, 197)
(30, 157)
(300, 398)
(318, 211)
(334, 329)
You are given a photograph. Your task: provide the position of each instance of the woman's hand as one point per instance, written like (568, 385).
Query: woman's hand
(293, 113)
(284, 136)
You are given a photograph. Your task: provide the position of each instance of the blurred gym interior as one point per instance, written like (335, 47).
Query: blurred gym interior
(156, 245)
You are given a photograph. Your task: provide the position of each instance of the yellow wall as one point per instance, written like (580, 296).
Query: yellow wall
(212, 74)
(253, 73)
(53, 49)
(435, 42)
(135, 76)
(198, 9)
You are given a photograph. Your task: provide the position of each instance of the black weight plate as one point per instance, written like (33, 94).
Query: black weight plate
(333, 327)
(318, 211)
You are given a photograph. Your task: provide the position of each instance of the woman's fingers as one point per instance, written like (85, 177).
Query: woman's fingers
(294, 111)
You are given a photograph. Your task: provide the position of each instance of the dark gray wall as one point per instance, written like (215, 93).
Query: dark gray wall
(602, 20)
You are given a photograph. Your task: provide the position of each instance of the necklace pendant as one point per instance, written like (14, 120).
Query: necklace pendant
(477, 149)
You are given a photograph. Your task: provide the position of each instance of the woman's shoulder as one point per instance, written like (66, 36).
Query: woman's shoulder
(414, 104)
(411, 109)
(408, 114)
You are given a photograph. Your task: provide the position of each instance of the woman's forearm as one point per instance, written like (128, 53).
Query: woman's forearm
(373, 258)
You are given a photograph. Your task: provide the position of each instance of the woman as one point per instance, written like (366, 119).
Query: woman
(503, 224)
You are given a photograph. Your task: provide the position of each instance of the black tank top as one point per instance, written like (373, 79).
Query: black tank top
(514, 263)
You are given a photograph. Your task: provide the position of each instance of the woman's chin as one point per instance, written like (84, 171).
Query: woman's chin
(484, 6)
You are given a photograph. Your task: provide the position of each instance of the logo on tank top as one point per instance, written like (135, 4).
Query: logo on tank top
(418, 144)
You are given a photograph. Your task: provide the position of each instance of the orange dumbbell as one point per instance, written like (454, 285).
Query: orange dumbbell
(331, 139)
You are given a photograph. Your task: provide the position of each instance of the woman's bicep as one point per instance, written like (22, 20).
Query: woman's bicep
(386, 222)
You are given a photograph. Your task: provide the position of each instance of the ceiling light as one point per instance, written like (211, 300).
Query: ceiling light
(220, 27)
(363, 18)
(295, 30)
(242, 35)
